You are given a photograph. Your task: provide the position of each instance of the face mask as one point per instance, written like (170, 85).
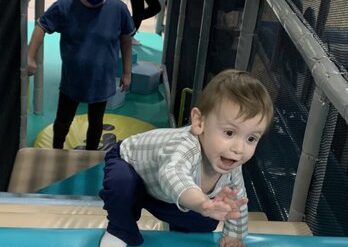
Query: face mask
(95, 2)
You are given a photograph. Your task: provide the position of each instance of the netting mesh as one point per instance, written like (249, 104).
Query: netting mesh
(327, 211)
(327, 203)
(275, 60)
(278, 64)
(224, 33)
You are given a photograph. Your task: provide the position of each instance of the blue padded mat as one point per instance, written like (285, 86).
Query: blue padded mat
(87, 182)
(35, 237)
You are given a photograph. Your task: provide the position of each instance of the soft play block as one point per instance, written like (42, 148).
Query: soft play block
(145, 77)
(30, 237)
(120, 65)
(118, 99)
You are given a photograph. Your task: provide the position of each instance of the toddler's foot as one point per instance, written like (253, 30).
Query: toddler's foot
(109, 240)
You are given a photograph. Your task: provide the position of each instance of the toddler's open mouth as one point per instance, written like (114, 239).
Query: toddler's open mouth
(227, 163)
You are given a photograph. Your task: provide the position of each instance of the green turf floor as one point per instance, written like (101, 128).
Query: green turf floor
(150, 108)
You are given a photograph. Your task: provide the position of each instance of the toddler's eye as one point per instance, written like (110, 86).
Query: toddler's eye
(252, 139)
(229, 132)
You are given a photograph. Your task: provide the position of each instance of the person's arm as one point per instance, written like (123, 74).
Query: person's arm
(226, 204)
(236, 229)
(193, 199)
(34, 45)
(177, 180)
(126, 51)
(234, 209)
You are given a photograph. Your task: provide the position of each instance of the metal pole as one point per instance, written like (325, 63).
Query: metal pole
(329, 81)
(202, 49)
(184, 92)
(167, 94)
(166, 30)
(246, 36)
(323, 13)
(177, 55)
(326, 74)
(23, 73)
(38, 77)
(160, 18)
(310, 150)
(165, 74)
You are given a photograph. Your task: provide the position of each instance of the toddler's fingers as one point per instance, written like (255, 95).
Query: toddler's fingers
(233, 215)
(243, 201)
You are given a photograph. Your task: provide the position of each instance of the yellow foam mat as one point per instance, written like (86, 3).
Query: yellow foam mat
(116, 127)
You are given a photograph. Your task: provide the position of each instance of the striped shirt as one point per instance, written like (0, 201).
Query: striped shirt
(169, 162)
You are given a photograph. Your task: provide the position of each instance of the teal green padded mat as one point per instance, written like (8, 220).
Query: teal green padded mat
(87, 182)
(30, 237)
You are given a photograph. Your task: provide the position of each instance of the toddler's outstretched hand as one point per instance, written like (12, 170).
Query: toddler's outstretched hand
(215, 209)
(230, 197)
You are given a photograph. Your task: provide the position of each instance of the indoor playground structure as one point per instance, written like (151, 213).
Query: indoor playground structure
(297, 182)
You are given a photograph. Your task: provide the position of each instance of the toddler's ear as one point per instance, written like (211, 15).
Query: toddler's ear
(196, 121)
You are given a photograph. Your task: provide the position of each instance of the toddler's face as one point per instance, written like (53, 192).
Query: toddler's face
(228, 140)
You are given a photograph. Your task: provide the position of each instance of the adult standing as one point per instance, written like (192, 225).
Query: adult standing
(140, 13)
(92, 33)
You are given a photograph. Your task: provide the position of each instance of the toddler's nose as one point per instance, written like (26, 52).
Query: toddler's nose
(237, 145)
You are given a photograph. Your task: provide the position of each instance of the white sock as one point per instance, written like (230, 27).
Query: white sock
(109, 240)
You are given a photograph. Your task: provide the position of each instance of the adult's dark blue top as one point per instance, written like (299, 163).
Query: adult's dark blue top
(89, 46)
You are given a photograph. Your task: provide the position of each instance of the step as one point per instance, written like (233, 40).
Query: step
(84, 216)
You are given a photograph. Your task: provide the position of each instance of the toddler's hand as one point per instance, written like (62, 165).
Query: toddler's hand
(217, 210)
(230, 197)
(228, 241)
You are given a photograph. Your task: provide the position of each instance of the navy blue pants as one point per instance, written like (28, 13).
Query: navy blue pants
(124, 196)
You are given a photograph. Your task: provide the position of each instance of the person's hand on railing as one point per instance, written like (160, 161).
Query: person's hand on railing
(32, 66)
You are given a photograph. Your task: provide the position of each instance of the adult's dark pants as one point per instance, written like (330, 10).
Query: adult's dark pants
(140, 13)
(124, 196)
(65, 114)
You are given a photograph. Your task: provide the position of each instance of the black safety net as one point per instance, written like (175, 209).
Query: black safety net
(9, 87)
(278, 64)
(223, 40)
(275, 60)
